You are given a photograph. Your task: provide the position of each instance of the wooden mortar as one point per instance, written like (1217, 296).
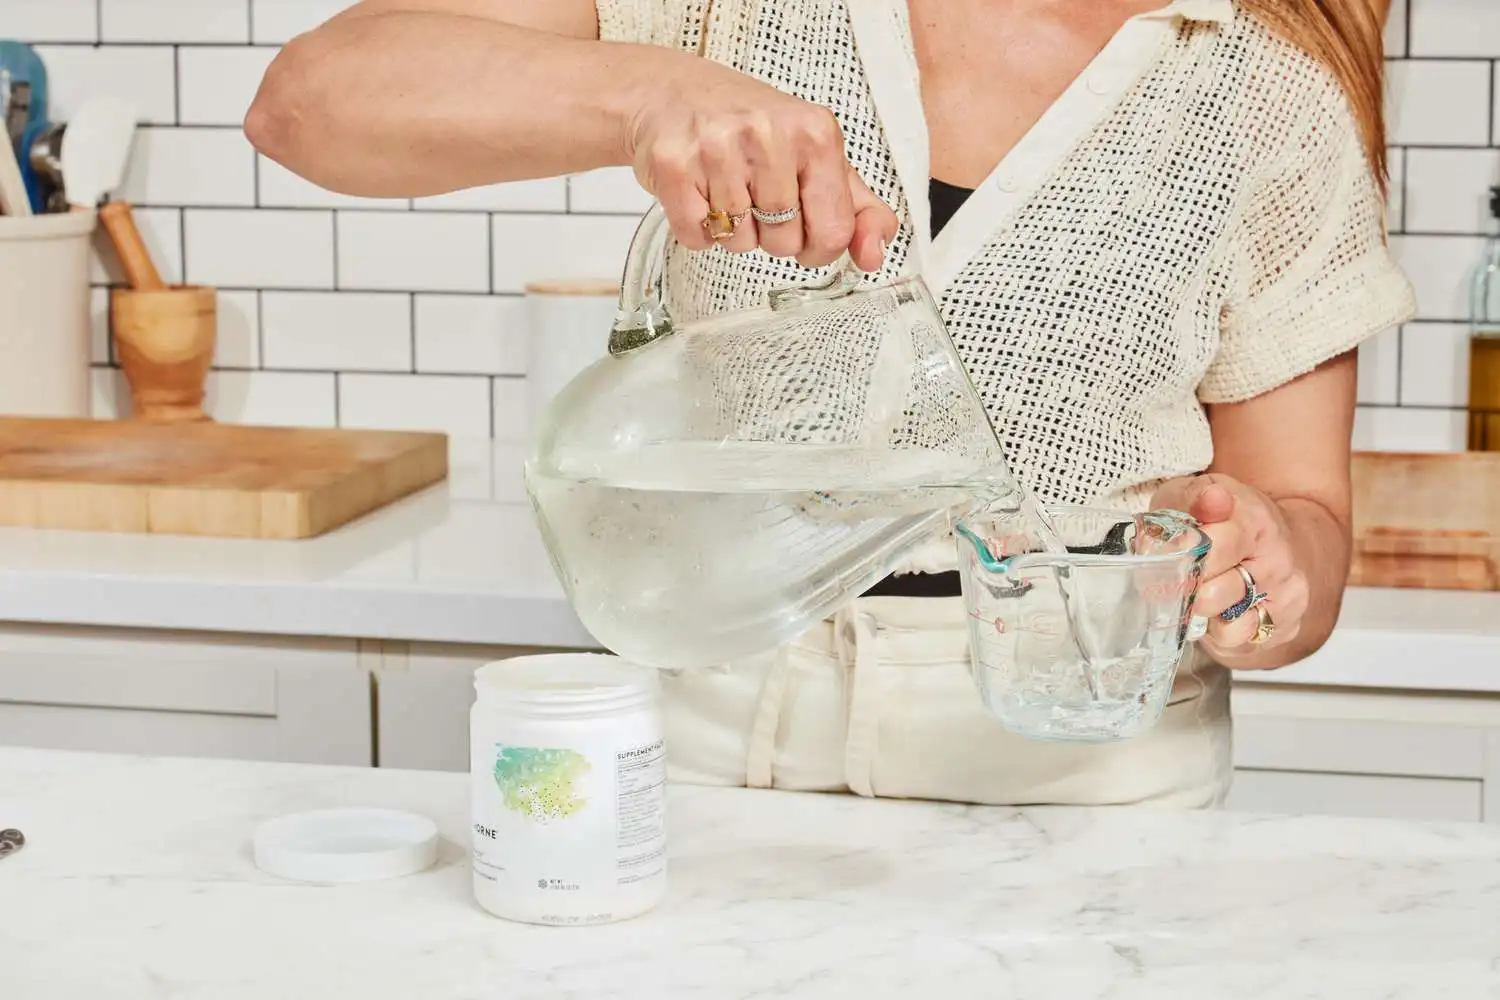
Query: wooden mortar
(164, 339)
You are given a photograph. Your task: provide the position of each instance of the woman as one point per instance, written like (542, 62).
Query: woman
(1156, 229)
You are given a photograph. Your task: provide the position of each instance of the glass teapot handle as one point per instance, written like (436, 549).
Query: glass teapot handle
(642, 317)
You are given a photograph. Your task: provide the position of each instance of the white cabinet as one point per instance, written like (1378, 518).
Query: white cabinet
(423, 694)
(185, 693)
(1341, 751)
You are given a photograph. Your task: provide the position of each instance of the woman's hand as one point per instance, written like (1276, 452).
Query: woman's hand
(720, 140)
(1249, 532)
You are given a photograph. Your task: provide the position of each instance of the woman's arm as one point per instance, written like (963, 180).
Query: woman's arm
(1292, 444)
(405, 98)
(1277, 502)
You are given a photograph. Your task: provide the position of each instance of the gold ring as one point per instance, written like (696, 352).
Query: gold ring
(1266, 628)
(721, 225)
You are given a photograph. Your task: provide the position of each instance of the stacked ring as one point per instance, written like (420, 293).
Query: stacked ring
(1253, 598)
(775, 218)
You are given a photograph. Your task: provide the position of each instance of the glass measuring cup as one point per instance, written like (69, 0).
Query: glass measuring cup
(1081, 646)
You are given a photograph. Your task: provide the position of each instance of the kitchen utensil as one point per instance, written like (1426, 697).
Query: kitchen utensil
(164, 339)
(1123, 591)
(13, 198)
(713, 488)
(1426, 520)
(25, 66)
(17, 108)
(11, 841)
(227, 480)
(95, 151)
(44, 154)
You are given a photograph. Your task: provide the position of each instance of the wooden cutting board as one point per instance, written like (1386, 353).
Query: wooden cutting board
(226, 480)
(1427, 520)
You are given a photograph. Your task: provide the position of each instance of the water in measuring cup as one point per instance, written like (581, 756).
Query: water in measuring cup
(691, 554)
(1108, 698)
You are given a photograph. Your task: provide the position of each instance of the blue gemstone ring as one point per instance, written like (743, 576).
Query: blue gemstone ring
(1253, 597)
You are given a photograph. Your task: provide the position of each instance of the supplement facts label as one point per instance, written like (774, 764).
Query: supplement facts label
(641, 780)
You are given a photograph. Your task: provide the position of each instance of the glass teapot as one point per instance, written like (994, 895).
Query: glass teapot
(710, 489)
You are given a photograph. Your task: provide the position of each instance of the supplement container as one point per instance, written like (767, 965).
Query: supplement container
(568, 782)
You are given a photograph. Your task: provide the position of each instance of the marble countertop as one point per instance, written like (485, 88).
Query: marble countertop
(463, 562)
(137, 883)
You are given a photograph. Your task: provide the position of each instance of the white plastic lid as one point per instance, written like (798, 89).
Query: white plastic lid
(345, 845)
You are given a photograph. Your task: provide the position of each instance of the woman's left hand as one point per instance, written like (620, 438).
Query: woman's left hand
(1250, 536)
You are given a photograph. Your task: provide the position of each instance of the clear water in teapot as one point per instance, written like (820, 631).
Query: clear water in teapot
(691, 554)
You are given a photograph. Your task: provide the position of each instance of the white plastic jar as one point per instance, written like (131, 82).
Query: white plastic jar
(568, 780)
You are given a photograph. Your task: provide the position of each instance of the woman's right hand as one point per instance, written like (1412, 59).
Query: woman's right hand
(723, 140)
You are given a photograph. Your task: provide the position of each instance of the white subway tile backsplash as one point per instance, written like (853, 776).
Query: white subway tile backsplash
(1495, 127)
(453, 404)
(37, 21)
(546, 195)
(161, 231)
(280, 188)
(1448, 189)
(1435, 364)
(479, 334)
(1439, 103)
(109, 394)
(1395, 29)
(408, 313)
(280, 399)
(534, 247)
(190, 166)
(612, 189)
(359, 331)
(1439, 268)
(1390, 428)
(238, 343)
(173, 20)
(1455, 28)
(140, 74)
(219, 82)
(413, 251)
(511, 421)
(240, 248)
(281, 20)
(1380, 368)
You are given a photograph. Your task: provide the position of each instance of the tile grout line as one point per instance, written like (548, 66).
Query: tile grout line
(249, 22)
(98, 22)
(412, 304)
(176, 84)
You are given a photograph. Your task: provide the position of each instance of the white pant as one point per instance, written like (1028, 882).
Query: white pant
(879, 700)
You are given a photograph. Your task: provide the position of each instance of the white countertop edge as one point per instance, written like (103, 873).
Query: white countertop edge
(281, 608)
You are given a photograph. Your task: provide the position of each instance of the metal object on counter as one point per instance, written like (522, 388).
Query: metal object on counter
(11, 841)
(45, 159)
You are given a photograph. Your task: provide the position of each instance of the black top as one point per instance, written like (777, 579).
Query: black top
(945, 199)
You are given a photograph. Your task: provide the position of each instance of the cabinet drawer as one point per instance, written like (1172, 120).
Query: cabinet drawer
(1361, 795)
(108, 730)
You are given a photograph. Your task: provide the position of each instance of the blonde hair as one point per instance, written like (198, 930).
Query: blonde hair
(1347, 37)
